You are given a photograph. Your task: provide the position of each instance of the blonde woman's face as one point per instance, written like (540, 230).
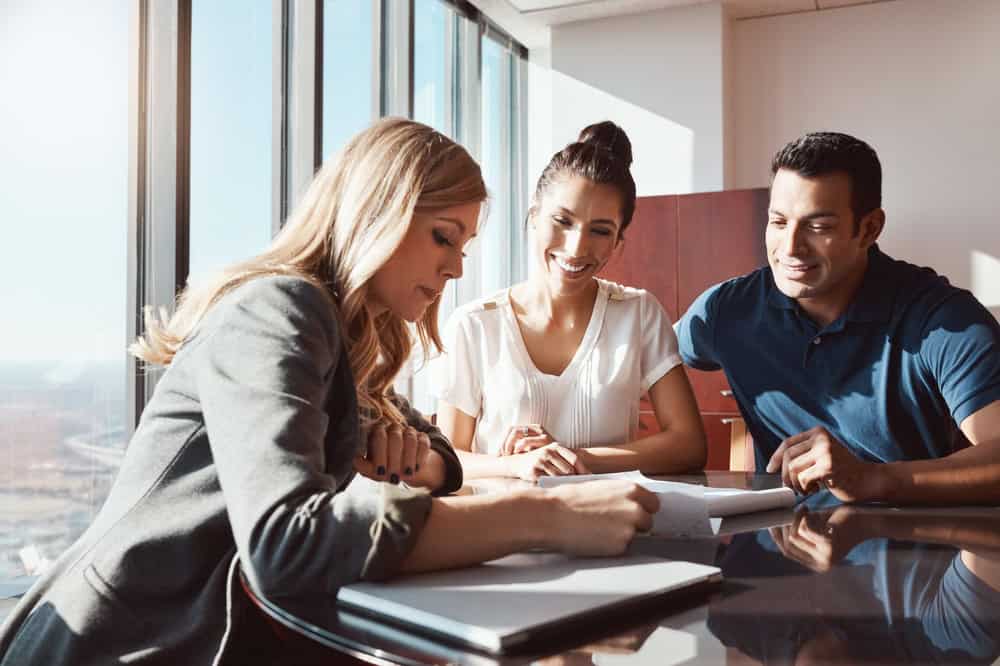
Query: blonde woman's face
(431, 254)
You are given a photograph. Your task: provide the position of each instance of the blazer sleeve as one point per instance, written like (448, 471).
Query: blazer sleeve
(439, 443)
(263, 364)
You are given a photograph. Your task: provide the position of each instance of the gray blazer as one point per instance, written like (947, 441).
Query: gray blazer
(244, 454)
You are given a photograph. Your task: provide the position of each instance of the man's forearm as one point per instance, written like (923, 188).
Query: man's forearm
(970, 476)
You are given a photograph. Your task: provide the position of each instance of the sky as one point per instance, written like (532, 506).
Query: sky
(64, 169)
(64, 155)
(64, 82)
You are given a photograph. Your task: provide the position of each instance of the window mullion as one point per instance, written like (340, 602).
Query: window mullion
(159, 147)
(396, 59)
(303, 108)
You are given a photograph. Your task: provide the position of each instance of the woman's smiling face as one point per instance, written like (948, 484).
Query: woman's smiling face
(577, 227)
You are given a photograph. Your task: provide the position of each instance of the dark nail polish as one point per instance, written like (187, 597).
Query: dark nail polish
(394, 478)
(417, 467)
(381, 470)
(408, 471)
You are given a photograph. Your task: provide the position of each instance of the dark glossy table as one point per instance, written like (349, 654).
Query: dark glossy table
(825, 583)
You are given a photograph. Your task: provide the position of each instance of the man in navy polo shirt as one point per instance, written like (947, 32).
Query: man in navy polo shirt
(853, 370)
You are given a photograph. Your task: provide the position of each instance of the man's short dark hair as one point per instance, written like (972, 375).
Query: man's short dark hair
(822, 153)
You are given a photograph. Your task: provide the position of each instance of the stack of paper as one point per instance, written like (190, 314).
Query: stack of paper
(687, 509)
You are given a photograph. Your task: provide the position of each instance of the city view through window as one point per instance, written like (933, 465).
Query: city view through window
(64, 208)
(63, 265)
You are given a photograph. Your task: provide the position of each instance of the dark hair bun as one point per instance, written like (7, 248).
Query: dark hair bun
(609, 136)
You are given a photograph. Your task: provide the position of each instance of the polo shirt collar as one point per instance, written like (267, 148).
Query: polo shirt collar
(874, 300)
(775, 297)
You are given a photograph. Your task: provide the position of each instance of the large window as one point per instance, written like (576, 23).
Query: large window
(466, 83)
(142, 138)
(494, 265)
(348, 71)
(433, 59)
(231, 91)
(64, 201)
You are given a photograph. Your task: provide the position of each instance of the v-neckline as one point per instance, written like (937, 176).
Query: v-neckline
(582, 350)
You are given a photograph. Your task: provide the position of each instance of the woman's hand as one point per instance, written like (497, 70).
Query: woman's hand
(395, 453)
(550, 460)
(600, 517)
(524, 438)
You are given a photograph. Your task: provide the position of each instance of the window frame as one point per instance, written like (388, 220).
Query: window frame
(158, 173)
(160, 135)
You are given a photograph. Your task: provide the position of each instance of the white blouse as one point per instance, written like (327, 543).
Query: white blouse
(487, 373)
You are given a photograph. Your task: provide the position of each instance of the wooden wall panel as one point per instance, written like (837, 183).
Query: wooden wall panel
(720, 235)
(678, 246)
(719, 432)
(712, 391)
(648, 258)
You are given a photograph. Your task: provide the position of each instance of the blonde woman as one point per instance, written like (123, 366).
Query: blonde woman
(246, 453)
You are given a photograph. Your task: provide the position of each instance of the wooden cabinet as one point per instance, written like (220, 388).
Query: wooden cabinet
(648, 258)
(676, 247)
(721, 235)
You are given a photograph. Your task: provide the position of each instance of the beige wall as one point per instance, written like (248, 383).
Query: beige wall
(920, 81)
(707, 102)
(659, 75)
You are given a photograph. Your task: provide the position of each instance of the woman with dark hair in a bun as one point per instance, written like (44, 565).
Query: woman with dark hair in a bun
(544, 378)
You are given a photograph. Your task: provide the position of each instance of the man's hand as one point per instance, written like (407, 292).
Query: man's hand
(819, 540)
(813, 459)
(524, 438)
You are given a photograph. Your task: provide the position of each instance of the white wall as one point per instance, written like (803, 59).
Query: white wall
(659, 75)
(920, 81)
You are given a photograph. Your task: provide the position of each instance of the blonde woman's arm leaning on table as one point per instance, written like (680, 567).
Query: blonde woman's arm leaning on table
(598, 518)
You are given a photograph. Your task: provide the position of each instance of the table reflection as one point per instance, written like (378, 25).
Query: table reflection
(848, 584)
(825, 583)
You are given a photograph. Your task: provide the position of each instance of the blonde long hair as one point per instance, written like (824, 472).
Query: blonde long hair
(352, 218)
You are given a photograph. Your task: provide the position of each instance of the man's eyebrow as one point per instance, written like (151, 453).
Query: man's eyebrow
(810, 216)
(461, 225)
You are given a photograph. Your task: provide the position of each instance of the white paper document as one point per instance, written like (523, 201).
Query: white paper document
(687, 509)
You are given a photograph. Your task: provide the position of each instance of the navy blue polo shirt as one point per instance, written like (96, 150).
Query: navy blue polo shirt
(891, 378)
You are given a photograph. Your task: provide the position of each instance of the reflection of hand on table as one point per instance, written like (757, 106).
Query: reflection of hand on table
(819, 540)
(827, 646)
